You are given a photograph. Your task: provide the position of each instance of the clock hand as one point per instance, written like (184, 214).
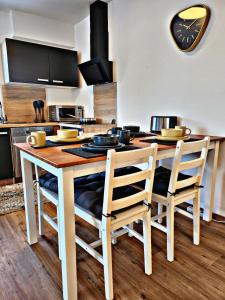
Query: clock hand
(188, 27)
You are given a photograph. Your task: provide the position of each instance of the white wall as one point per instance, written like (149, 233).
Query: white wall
(6, 29)
(44, 30)
(154, 77)
(84, 95)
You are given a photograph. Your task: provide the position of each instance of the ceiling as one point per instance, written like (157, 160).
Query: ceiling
(70, 11)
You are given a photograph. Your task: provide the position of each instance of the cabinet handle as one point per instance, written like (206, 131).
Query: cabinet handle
(57, 81)
(4, 133)
(43, 79)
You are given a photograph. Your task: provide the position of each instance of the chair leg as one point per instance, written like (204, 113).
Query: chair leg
(170, 232)
(131, 226)
(40, 211)
(147, 243)
(114, 239)
(196, 220)
(107, 259)
(160, 211)
(40, 203)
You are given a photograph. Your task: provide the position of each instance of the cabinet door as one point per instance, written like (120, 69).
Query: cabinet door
(27, 62)
(6, 167)
(63, 67)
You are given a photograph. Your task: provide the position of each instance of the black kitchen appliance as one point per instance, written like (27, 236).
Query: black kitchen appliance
(96, 71)
(99, 69)
(161, 122)
(6, 167)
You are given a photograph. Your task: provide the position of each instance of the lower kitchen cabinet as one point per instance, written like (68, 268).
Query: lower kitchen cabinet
(6, 166)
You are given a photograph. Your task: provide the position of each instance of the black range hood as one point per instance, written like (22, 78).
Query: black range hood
(99, 69)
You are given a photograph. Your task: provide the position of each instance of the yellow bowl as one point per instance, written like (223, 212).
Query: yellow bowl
(172, 132)
(67, 133)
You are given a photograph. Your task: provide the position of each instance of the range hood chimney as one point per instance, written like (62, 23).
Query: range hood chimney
(99, 69)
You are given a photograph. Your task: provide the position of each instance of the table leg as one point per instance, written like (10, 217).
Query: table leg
(209, 204)
(67, 233)
(27, 174)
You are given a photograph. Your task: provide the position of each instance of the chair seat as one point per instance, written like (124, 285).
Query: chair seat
(89, 190)
(162, 180)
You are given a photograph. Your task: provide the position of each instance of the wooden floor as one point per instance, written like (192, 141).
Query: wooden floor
(198, 272)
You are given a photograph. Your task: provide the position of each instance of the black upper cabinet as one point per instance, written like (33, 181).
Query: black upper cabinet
(27, 62)
(39, 64)
(63, 67)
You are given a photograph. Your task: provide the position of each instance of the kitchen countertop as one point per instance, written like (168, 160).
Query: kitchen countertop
(17, 125)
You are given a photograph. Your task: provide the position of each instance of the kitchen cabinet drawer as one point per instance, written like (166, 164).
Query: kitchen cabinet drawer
(39, 64)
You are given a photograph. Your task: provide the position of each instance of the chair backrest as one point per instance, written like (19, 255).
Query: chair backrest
(198, 164)
(117, 160)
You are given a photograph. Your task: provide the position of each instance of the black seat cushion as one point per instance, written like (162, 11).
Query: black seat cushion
(89, 190)
(162, 180)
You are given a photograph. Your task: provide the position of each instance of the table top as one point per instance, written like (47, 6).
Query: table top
(59, 159)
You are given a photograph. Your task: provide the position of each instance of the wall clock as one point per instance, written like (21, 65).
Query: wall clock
(188, 26)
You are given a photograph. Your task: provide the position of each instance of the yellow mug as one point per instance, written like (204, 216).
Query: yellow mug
(37, 139)
(185, 130)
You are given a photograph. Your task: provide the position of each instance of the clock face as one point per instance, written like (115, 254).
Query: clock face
(189, 25)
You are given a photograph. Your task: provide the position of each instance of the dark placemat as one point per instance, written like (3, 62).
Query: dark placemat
(49, 144)
(82, 153)
(168, 143)
(128, 148)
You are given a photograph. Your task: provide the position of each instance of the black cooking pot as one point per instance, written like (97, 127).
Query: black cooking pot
(106, 140)
(133, 129)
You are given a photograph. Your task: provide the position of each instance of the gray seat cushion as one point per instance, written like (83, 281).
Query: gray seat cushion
(162, 180)
(89, 190)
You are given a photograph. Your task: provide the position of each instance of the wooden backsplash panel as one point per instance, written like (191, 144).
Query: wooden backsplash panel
(18, 102)
(105, 103)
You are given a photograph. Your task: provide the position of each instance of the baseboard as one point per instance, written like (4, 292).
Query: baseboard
(7, 181)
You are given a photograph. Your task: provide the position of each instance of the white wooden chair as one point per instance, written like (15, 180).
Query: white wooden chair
(115, 222)
(174, 197)
(112, 219)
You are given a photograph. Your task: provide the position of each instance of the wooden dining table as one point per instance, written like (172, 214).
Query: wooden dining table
(67, 167)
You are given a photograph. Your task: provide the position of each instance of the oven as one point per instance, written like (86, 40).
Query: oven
(19, 135)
